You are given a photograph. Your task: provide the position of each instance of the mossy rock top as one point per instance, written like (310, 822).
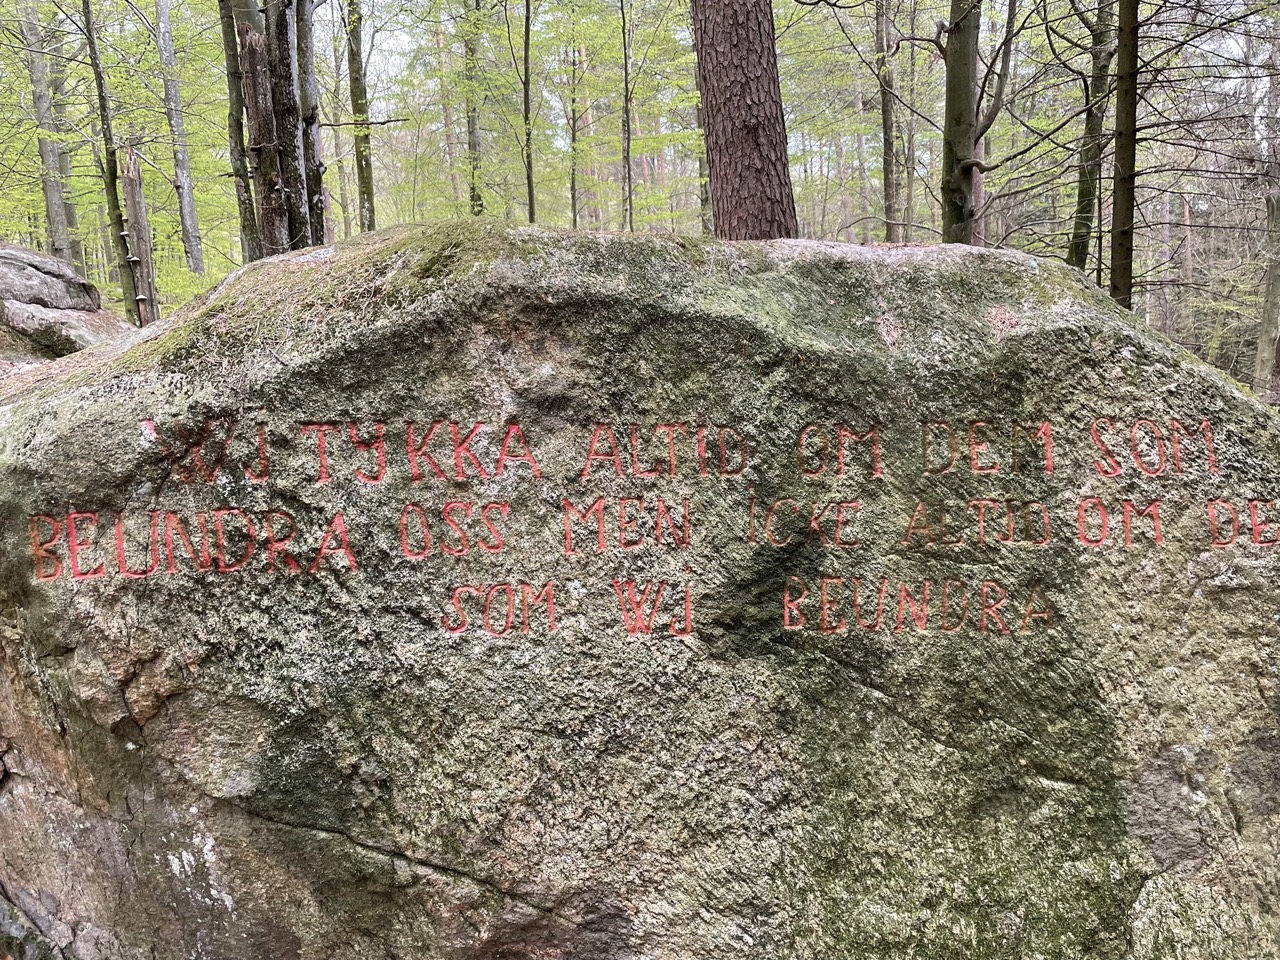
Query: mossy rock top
(469, 591)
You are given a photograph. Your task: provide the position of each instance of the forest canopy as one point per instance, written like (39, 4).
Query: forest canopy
(142, 132)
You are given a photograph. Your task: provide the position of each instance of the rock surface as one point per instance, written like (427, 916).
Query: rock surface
(47, 310)
(296, 660)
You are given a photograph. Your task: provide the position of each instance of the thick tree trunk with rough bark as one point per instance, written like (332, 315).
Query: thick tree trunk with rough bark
(110, 171)
(1126, 147)
(250, 239)
(140, 252)
(1101, 29)
(960, 121)
(744, 123)
(58, 231)
(360, 117)
(282, 50)
(264, 151)
(309, 115)
(191, 242)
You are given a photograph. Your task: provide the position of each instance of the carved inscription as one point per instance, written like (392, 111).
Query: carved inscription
(466, 490)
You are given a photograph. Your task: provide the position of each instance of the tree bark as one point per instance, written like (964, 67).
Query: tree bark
(746, 135)
(283, 64)
(1126, 147)
(110, 172)
(309, 117)
(360, 116)
(471, 71)
(1102, 50)
(526, 82)
(629, 186)
(450, 134)
(139, 227)
(191, 242)
(250, 239)
(1268, 350)
(264, 151)
(960, 121)
(58, 232)
(888, 155)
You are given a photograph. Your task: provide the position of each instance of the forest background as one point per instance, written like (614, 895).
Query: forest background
(586, 113)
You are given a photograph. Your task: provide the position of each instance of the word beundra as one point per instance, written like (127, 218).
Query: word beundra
(219, 541)
(840, 604)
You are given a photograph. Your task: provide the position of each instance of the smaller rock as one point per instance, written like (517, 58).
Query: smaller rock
(30, 277)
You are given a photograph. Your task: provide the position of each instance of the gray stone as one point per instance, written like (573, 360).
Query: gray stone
(288, 742)
(47, 311)
(30, 277)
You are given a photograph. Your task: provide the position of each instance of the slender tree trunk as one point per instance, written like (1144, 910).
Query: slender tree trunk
(139, 226)
(191, 241)
(705, 216)
(526, 81)
(57, 96)
(51, 180)
(471, 70)
(110, 173)
(1102, 49)
(979, 196)
(1265, 360)
(360, 115)
(309, 118)
(250, 239)
(745, 129)
(1268, 351)
(264, 150)
(1124, 190)
(888, 156)
(960, 121)
(629, 187)
(450, 134)
(864, 177)
(1188, 260)
(282, 61)
(575, 79)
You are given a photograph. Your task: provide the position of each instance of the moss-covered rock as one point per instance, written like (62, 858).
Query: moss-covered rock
(652, 598)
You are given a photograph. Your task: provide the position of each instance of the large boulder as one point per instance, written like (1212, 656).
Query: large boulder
(464, 593)
(47, 310)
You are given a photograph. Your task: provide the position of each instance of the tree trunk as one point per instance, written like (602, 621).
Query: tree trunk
(888, 156)
(1102, 49)
(745, 126)
(450, 135)
(960, 122)
(526, 81)
(139, 227)
(1265, 361)
(1123, 192)
(309, 116)
(979, 196)
(471, 70)
(250, 239)
(282, 58)
(360, 116)
(264, 151)
(574, 80)
(51, 181)
(705, 215)
(191, 242)
(629, 186)
(110, 172)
